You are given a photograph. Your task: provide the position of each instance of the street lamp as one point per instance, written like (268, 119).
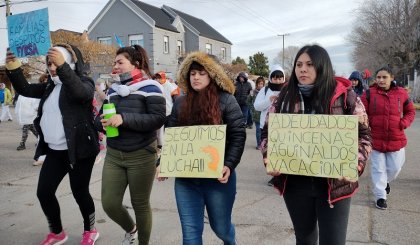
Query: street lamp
(282, 35)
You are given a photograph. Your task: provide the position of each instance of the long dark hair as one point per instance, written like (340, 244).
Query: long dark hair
(324, 85)
(137, 56)
(200, 107)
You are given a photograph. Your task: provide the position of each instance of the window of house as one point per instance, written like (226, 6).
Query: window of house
(165, 44)
(136, 39)
(179, 47)
(208, 48)
(223, 53)
(105, 40)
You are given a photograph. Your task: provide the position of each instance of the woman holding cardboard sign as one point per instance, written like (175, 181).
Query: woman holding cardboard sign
(317, 202)
(134, 110)
(209, 100)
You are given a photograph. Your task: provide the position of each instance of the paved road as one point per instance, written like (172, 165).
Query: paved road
(259, 213)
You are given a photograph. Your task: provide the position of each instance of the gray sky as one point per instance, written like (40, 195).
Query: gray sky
(251, 25)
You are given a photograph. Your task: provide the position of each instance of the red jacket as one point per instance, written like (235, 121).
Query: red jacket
(337, 189)
(389, 114)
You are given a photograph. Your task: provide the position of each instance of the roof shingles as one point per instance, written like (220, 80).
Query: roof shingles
(164, 21)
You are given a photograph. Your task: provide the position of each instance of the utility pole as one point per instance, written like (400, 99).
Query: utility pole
(282, 35)
(7, 8)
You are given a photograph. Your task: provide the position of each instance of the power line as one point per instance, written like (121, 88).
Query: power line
(262, 21)
(261, 17)
(20, 2)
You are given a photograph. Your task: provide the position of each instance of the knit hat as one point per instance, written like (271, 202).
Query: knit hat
(356, 76)
(68, 57)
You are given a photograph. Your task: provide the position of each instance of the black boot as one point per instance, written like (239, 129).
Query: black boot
(388, 188)
(21, 146)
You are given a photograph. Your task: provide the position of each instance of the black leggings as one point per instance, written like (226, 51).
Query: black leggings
(55, 167)
(306, 199)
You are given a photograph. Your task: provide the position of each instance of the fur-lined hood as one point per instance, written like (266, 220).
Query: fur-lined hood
(216, 72)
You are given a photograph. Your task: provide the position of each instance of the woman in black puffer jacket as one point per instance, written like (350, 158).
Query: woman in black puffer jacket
(208, 101)
(131, 156)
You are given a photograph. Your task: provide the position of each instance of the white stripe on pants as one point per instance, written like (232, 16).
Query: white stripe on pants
(385, 168)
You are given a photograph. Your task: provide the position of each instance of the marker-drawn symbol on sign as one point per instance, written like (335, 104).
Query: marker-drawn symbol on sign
(214, 155)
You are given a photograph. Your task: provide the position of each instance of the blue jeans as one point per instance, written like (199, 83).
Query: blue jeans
(245, 111)
(249, 120)
(192, 195)
(258, 133)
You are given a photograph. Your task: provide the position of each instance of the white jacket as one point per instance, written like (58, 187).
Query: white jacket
(262, 102)
(26, 109)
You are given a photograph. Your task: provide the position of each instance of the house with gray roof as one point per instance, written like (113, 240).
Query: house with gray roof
(167, 34)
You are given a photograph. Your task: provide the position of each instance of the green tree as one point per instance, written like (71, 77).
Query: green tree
(238, 61)
(258, 64)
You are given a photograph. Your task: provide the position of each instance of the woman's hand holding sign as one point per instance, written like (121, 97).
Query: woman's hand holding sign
(225, 175)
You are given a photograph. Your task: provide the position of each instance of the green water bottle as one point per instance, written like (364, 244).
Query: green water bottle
(109, 111)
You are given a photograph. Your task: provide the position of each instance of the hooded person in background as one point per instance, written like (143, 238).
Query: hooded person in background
(66, 135)
(265, 98)
(6, 100)
(366, 79)
(242, 90)
(356, 82)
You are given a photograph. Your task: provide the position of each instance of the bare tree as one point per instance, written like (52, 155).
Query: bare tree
(232, 70)
(382, 35)
(93, 52)
(289, 57)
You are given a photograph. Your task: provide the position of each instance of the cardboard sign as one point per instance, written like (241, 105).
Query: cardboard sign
(29, 33)
(193, 151)
(313, 145)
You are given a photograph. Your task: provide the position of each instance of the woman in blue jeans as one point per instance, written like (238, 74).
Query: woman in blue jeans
(208, 101)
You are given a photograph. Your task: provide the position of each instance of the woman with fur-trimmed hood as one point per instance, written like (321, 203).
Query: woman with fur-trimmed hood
(66, 135)
(209, 100)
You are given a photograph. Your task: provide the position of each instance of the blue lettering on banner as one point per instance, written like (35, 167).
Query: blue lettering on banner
(29, 33)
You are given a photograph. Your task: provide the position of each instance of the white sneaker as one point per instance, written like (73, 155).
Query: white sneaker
(130, 238)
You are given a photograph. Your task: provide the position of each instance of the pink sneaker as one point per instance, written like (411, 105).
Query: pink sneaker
(89, 237)
(56, 239)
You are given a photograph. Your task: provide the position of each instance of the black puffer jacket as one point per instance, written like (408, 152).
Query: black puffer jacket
(75, 104)
(142, 116)
(235, 131)
(231, 112)
(242, 91)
